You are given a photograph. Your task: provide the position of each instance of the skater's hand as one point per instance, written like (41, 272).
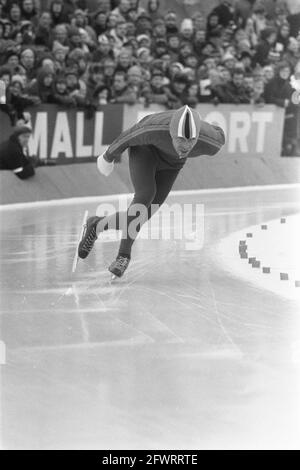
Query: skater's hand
(104, 166)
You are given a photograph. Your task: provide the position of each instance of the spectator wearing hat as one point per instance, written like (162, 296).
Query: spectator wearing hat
(60, 53)
(171, 21)
(103, 50)
(225, 12)
(27, 32)
(80, 20)
(120, 92)
(137, 83)
(143, 24)
(12, 60)
(144, 40)
(78, 58)
(27, 61)
(13, 156)
(259, 19)
(229, 61)
(160, 47)
(61, 34)
(159, 29)
(158, 91)
(57, 12)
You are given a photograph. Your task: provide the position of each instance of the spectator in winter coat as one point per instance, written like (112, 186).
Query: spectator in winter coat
(12, 155)
(120, 91)
(61, 94)
(234, 91)
(44, 34)
(268, 39)
(279, 92)
(43, 88)
(58, 15)
(224, 11)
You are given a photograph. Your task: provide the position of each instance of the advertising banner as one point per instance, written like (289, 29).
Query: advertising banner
(72, 135)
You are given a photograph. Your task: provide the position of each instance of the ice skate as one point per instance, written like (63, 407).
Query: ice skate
(89, 237)
(119, 266)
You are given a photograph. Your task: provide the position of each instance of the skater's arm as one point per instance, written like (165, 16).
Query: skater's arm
(135, 135)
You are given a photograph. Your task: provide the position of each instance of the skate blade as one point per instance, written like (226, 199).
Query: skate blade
(76, 257)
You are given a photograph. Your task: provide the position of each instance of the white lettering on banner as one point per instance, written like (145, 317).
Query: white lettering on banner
(38, 142)
(81, 149)
(262, 119)
(218, 119)
(98, 133)
(62, 138)
(240, 126)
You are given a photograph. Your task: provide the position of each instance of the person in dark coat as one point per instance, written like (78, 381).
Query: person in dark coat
(263, 49)
(279, 91)
(234, 91)
(12, 155)
(224, 11)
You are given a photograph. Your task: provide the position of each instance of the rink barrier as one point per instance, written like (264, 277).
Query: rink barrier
(77, 181)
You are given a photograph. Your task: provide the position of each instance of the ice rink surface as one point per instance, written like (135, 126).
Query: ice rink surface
(179, 354)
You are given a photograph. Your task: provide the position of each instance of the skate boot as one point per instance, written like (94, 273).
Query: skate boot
(119, 266)
(89, 237)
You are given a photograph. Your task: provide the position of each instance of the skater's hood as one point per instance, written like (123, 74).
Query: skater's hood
(185, 123)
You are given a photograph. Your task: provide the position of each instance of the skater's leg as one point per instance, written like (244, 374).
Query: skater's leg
(142, 167)
(164, 181)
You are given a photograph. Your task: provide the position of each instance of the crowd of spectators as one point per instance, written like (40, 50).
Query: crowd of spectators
(121, 52)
